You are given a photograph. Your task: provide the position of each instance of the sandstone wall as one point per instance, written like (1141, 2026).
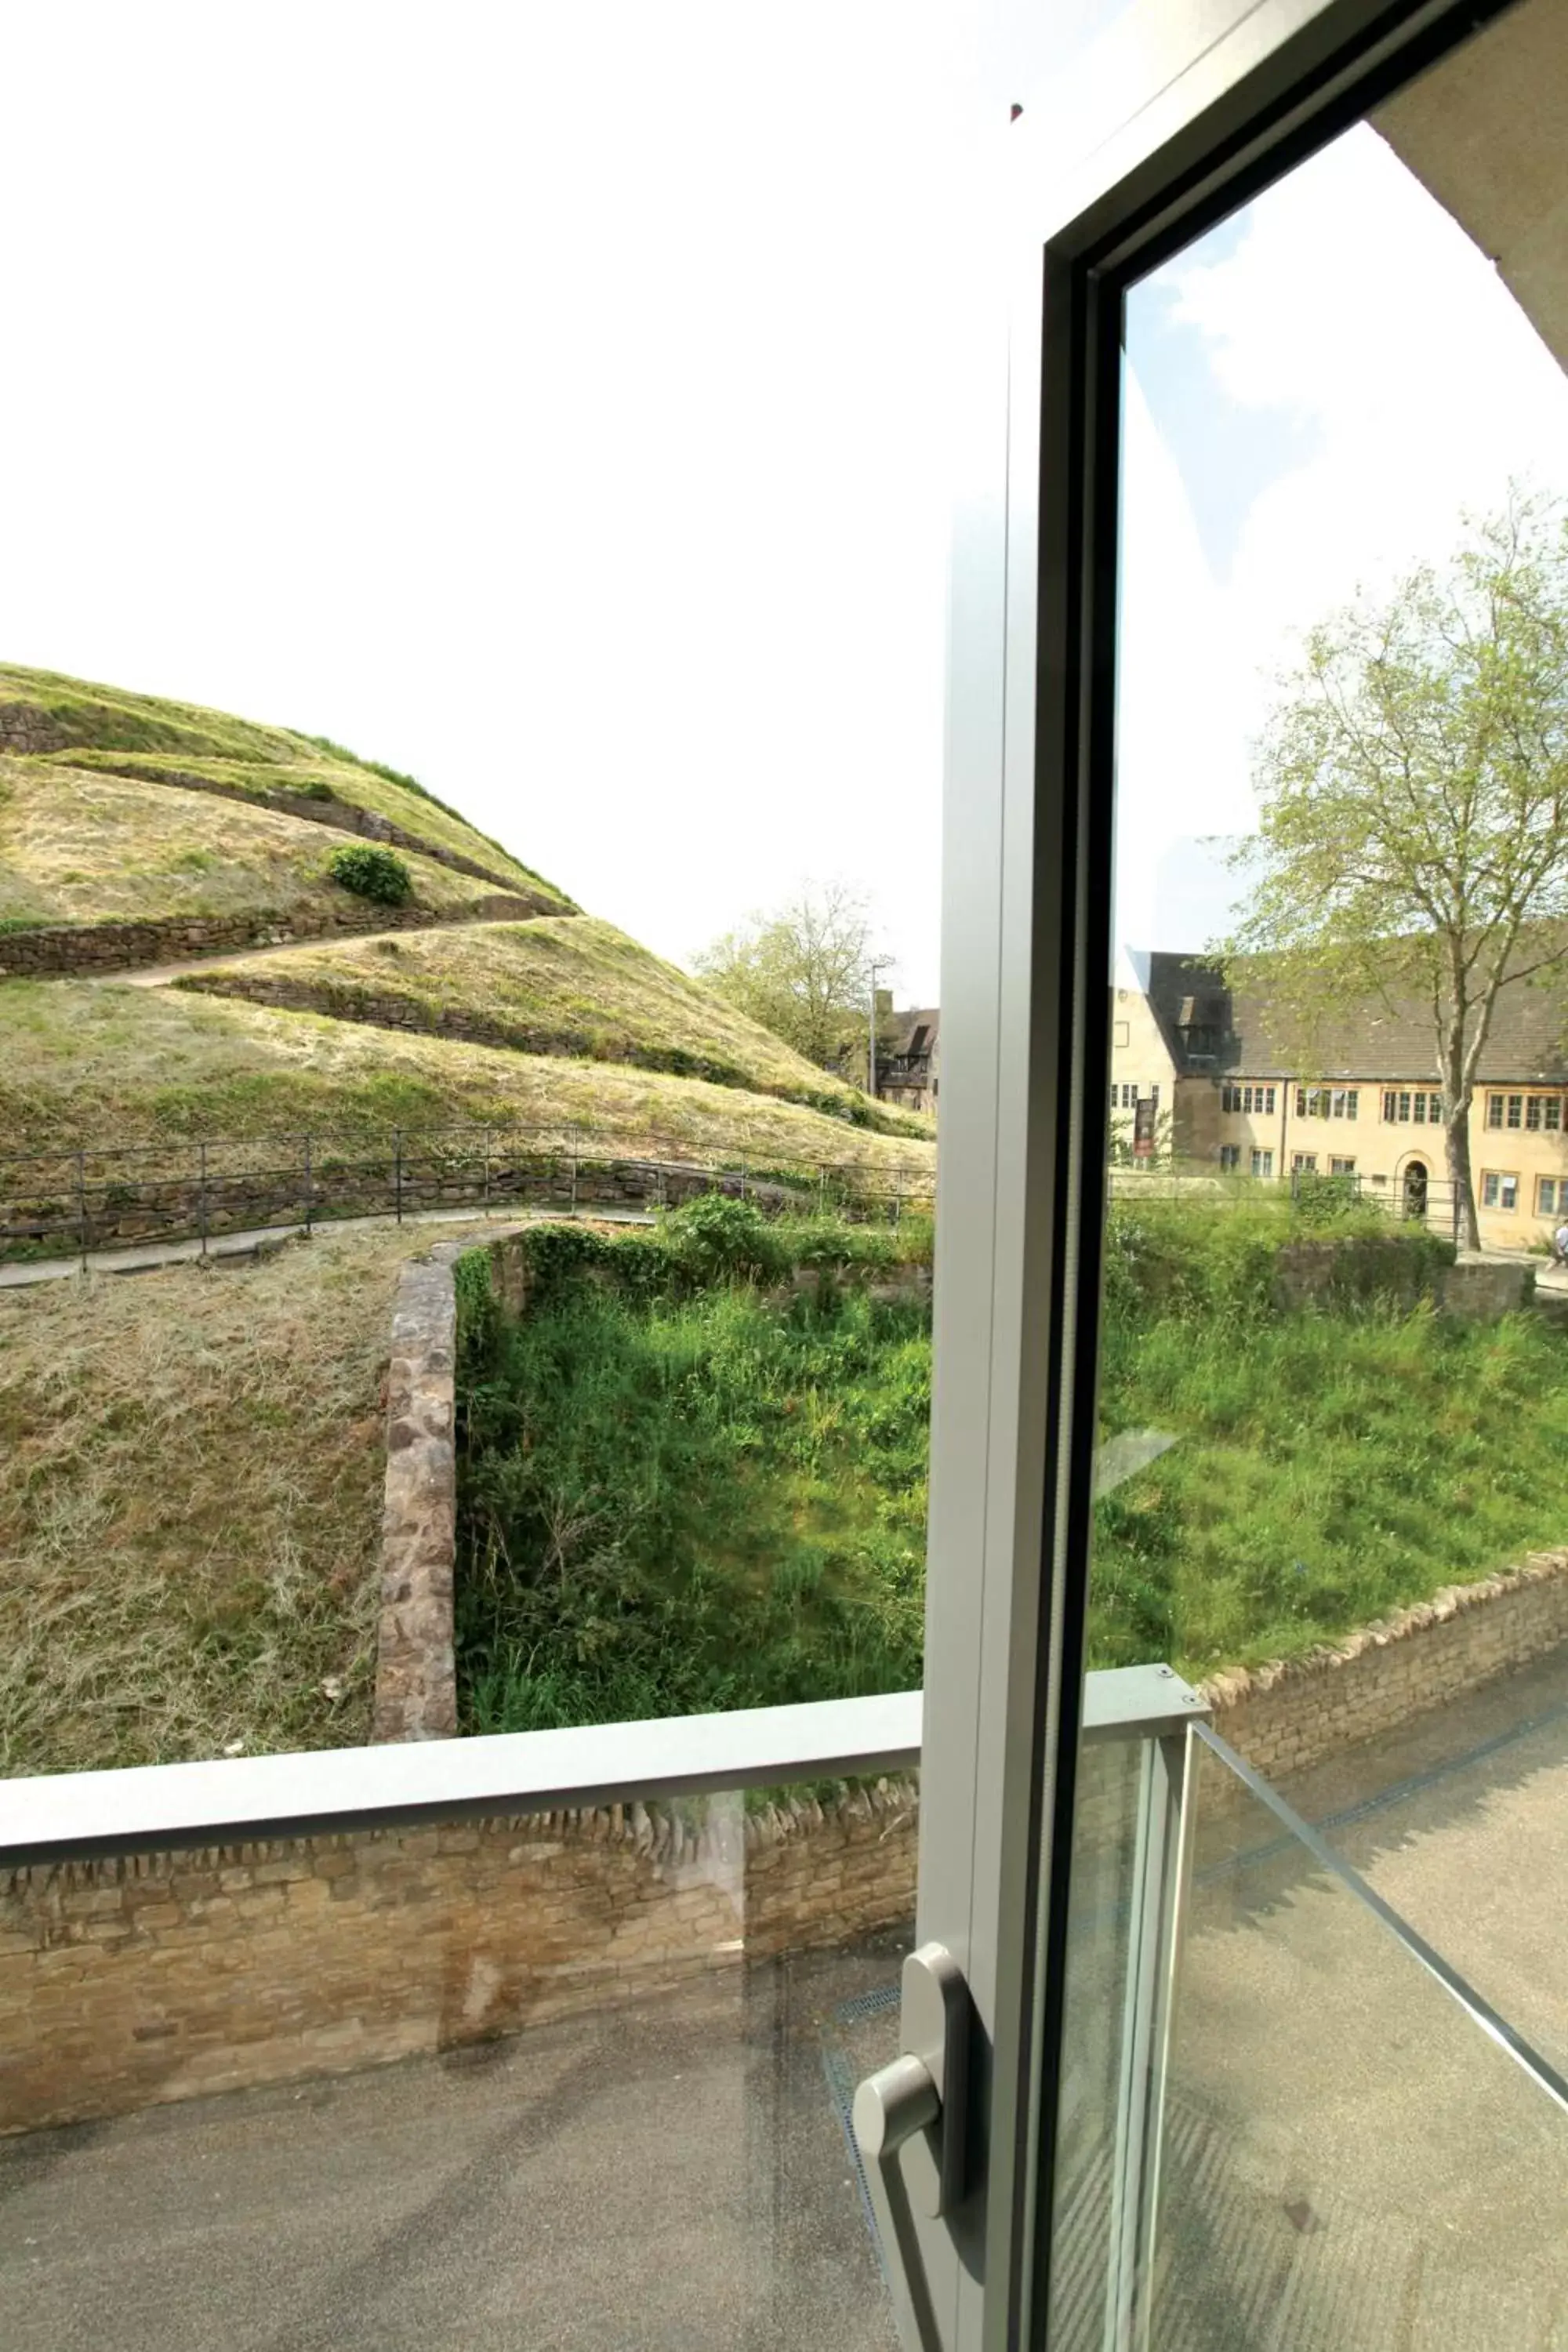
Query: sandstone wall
(128, 1984)
(415, 1672)
(54, 950)
(1286, 1717)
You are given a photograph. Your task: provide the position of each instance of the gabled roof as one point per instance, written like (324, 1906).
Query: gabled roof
(1368, 1039)
(907, 1027)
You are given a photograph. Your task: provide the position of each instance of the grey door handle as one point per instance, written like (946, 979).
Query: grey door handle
(910, 2120)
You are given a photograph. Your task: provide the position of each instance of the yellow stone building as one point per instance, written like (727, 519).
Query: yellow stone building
(1200, 1078)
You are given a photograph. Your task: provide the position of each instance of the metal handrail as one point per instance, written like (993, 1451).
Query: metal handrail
(154, 1808)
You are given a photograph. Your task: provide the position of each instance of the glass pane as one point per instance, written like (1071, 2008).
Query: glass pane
(1110, 1781)
(1333, 1188)
(548, 2080)
(1349, 2160)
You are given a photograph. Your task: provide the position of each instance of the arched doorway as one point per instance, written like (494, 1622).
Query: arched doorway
(1415, 1188)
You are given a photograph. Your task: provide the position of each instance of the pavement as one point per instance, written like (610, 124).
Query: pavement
(671, 2177)
(1352, 2165)
(259, 1240)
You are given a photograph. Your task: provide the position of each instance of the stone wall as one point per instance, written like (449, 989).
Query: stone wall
(342, 1002)
(128, 1984)
(41, 1212)
(52, 950)
(415, 1671)
(1284, 1718)
(24, 728)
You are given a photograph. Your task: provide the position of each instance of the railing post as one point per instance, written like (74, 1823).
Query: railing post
(573, 1169)
(487, 1193)
(81, 1204)
(202, 1194)
(397, 1169)
(309, 1190)
(1161, 1874)
(743, 1179)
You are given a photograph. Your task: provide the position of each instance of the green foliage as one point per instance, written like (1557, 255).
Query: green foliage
(1413, 840)
(680, 1493)
(801, 972)
(700, 1503)
(714, 1238)
(371, 872)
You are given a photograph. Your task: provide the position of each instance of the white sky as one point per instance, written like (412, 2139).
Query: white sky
(553, 403)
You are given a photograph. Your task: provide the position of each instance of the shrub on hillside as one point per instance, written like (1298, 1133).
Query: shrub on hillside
(378, 874)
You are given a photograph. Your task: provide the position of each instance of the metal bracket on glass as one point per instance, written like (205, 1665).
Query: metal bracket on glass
(908, 2120)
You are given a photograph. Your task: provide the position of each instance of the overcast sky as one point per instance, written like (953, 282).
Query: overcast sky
(553, 403)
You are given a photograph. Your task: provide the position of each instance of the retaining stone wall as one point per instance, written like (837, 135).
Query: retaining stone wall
(1288, 1717)
(415, 1672)
(120, 1214)
(56, 948)
(347, 1003)
(24, 728)
(125, 1985)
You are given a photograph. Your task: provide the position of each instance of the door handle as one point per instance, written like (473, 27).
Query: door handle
(908, 2120)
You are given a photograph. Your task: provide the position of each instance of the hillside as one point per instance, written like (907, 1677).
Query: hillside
(81, 729)
(557, 985)
(146, 841)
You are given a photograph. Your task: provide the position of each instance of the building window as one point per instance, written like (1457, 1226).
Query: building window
(1263, 1163)
(1304, 1163)
(1342, 1167)
(1547, 1197)
(1404, 1107)
(1250, 1100)
(1553, 1104)
(1532, 1114)
(1229, 1097)
(1515, 1109)
(1154, 1098)
(1499, 1191)
(1494, 1110)
(1229, 1158)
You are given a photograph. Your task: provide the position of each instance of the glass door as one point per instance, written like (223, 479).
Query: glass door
(1021, 2147)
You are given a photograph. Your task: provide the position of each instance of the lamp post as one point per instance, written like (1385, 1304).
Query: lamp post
(877, 964)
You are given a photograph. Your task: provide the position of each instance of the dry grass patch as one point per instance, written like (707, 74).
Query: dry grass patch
(568, 985)
(191, 1467)
(80, 848)
(87, 724)
(93, 1064)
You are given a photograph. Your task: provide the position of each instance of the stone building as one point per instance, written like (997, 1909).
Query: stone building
(909, 1063)
(1207, 1077)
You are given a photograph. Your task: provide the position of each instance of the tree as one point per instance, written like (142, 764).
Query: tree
(803, 971)
(1414, 780)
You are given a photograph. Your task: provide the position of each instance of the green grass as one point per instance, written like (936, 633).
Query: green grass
(80, 847)
(86, 1063)
(569, 985)
(703, 1502)
(110, 726)
(675, 1501)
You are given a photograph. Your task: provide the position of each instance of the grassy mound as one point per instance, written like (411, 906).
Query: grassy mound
(81, 726)
(568, 985)
(88, 848)
(92, 1064)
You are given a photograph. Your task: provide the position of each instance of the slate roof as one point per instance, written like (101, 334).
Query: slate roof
(1363, 1040)
(907, 1027)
